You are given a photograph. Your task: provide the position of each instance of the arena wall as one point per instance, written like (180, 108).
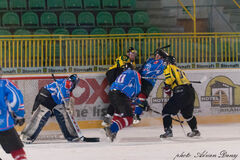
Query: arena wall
(217, 97)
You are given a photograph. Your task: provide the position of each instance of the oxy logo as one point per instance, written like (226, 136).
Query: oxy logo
(98, 91)
(87, 91)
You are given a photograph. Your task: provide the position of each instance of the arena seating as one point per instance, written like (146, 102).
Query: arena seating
(75, 16)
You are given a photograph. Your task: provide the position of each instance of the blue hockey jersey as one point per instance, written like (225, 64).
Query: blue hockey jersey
(11, 102)
(129, 83)
(152, 68)
(65, 87)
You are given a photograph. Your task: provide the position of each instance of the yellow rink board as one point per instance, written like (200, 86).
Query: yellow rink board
(221, 119)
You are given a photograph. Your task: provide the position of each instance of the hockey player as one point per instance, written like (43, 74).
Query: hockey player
(113, 72)
(11, 113)
(152, 68)
(123, 90)
(182, 99)
(48, 102)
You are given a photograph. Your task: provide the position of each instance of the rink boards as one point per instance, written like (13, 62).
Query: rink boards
(217, 96)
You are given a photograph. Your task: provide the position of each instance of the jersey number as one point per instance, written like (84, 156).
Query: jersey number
(121, 78)
(180, 73)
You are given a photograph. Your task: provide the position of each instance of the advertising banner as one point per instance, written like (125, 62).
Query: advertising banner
(217, 94)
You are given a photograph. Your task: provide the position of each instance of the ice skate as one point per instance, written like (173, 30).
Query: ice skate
(73, 139)
(136, 119)
(107, 120)
(168, 133)
(25, 139)
(110, 134)
(194, 133)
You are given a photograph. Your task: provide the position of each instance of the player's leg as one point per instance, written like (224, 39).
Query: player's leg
(111, 77)
(171, 108)
(44, 98)
(187, 113)
(65, 123)
(107, 119)
(192, 122)
(146, 89)
(12, 144)
(123, 116)
(37, 122)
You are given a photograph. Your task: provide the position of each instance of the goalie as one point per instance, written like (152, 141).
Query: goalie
(49, 102)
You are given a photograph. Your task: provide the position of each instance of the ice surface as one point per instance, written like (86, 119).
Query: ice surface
(217, 142)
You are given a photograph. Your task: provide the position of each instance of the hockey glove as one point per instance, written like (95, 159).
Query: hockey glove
(143, 104)
(19, 121)
(167, 90)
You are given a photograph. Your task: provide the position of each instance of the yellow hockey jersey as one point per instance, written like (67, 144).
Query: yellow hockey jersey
(174, 76)
(120, 61)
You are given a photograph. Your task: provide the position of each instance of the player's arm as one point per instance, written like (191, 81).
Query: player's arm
(15, 103)
(169, 80)
(117, 64)
(65, 90)
(169, 75)
(15, 99)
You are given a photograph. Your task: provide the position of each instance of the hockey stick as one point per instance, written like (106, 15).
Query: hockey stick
(182, 126)
(74, 123)
(165, 46)
(177, 120)
(201, 81)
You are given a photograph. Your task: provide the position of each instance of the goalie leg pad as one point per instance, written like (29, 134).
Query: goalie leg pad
(37, 122)
(65, 123)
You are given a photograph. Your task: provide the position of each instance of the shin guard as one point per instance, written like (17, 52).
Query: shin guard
(65, 123)
(37, 122)
(192, 122)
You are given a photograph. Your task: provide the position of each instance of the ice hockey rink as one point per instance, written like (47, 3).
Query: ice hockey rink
(217, 142)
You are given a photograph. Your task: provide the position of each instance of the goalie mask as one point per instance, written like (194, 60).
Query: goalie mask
(74, 79)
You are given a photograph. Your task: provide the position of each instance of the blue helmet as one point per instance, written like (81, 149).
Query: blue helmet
(74, 79)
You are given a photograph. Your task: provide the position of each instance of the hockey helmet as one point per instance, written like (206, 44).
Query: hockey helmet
(161, 52)
(131, 50)
(170, 59)
(74, 79)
